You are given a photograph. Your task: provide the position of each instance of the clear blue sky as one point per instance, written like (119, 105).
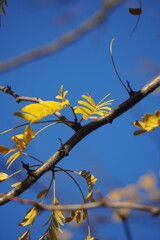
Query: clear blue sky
(112, 153)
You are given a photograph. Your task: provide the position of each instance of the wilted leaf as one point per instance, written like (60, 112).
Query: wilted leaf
(3, 149)
(42, 193)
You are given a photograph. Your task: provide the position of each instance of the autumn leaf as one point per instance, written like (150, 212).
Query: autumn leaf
(3, 149)
(89, 108)
(36, 111)
(25, 236)
(135, 11)
(149, 123)
(62, 94)
(30, 216)
(3, 176)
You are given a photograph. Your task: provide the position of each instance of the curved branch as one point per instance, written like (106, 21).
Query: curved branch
(63, 41)
(78, 136)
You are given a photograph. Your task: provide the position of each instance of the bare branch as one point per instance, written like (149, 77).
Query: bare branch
(102, 202)
(78, 136)
(63, 41)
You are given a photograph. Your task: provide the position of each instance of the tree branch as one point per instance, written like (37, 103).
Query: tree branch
(78, 136)
(102, 202)
(63, 41)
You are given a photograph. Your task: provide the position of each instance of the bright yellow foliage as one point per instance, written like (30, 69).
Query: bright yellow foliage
(25, 236)
(30, 216)
(36, 111)
(89, 108)
(149, 123)
(62, 94)
(3, 176)
(21, 141)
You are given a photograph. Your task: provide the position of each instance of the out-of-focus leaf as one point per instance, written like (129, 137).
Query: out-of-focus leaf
(135, 11)
(42, 193)
(3, 176)
(3, 149)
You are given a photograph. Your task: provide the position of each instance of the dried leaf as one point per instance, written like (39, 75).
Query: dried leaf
(42, 193)
(135, 11)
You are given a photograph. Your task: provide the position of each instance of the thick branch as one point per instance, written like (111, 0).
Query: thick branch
(64, 41)
(79, 135)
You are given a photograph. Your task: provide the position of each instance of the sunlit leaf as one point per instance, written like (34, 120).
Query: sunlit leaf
(28, 134)
(3, 176)
(37, 111)
(149, 123)
(61, 94)
(30, 216)
(12, 158)
(25, 236)
(16, 184)
(89, 109)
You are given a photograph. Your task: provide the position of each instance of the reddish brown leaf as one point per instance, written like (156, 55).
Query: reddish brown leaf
(135, 11)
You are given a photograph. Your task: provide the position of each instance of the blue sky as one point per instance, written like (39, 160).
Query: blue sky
(112, 153)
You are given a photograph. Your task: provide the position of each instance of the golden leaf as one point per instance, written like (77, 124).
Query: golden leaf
(32, 213)
(89, 108)
(149, 123)
(3, 176)
(16, 184)
(24, 236)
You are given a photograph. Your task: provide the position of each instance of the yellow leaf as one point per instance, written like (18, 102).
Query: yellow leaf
(16, 184)
(53, 233)
(25, 116)
(40, 110)
(20, 144)
(24, 236)
(30, 216)
(89, 108)
(61, 94)
(12, 158)
(149, 123)
(3, 176)
(58, 215)
(42, 193)
(3, 149)
(90, 238)
(28, 134)
(19, 136)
